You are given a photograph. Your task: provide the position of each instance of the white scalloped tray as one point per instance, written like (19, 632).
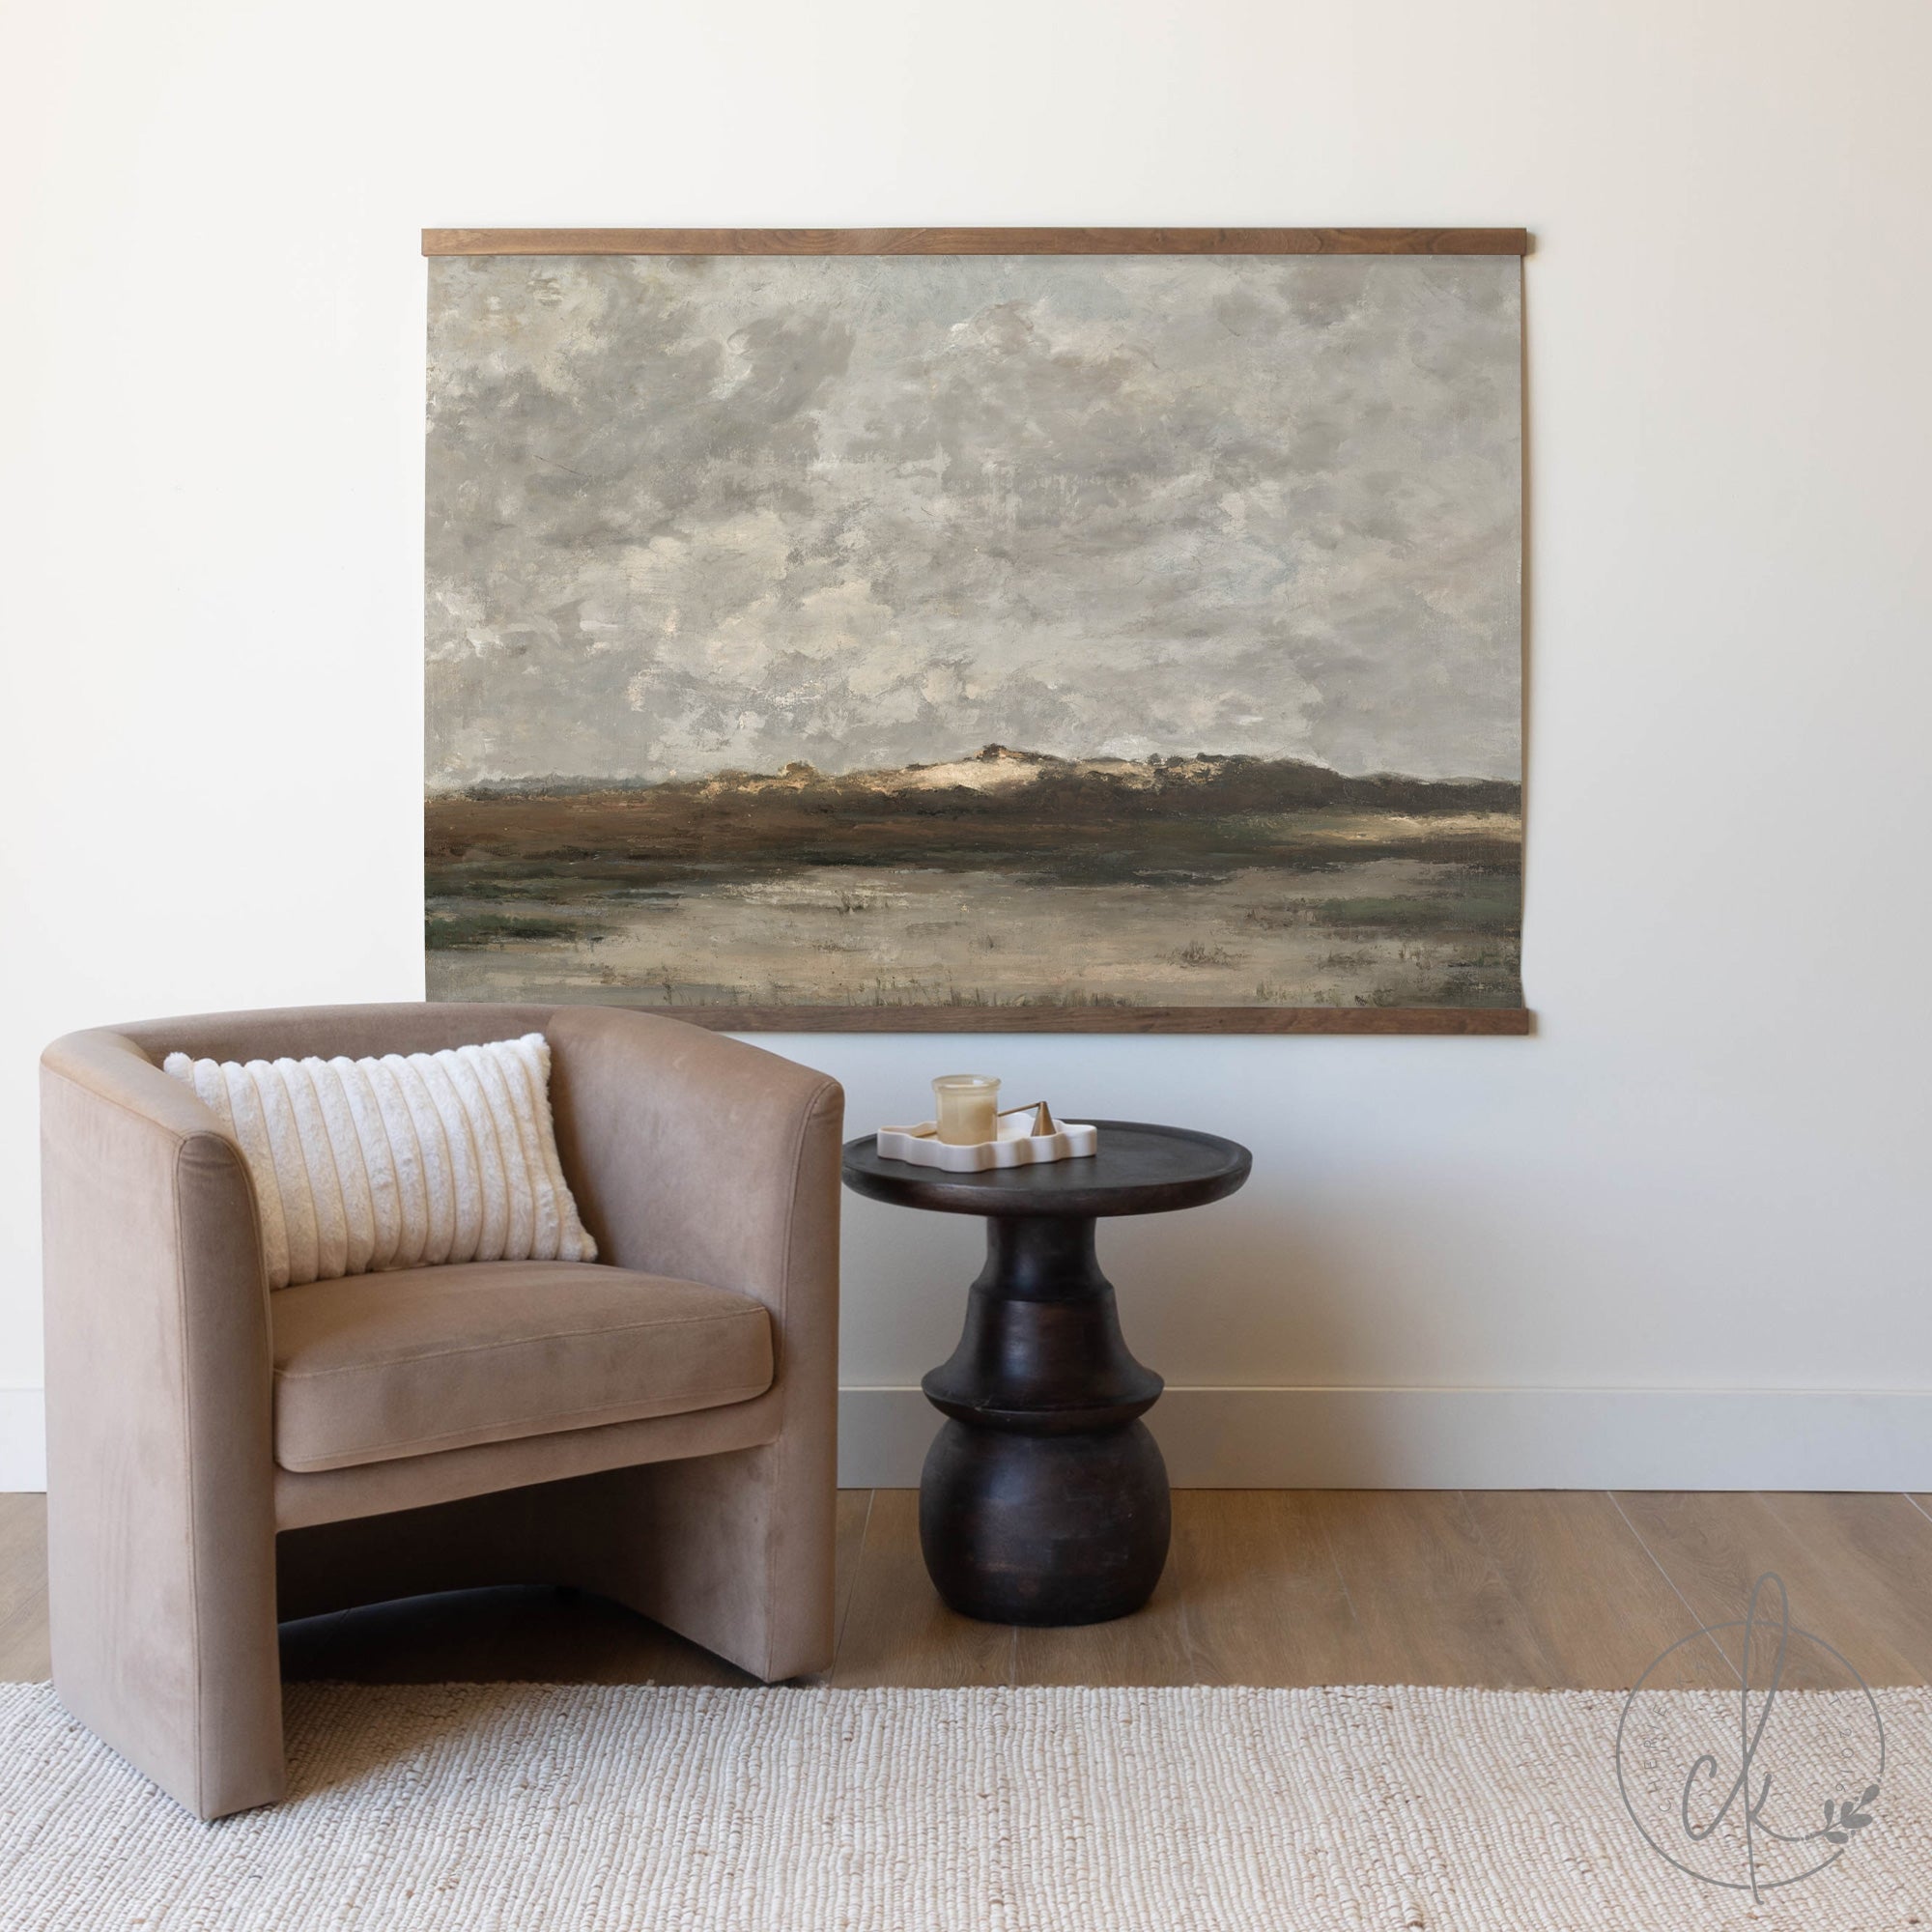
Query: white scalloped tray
(1014, 1147)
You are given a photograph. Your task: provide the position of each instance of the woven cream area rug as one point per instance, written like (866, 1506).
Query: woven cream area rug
(486, 1806)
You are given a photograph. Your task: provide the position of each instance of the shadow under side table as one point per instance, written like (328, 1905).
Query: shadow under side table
(1044, 1498)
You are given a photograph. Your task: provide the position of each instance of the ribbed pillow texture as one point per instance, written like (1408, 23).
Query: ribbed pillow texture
(410, 1160)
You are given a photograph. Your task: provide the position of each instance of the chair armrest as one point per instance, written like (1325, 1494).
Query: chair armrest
(693, 1154)
(109, 1068)
(159, 1393)
(149, 1217)
(698, 1156)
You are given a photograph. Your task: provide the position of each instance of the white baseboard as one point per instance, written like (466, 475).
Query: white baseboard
(23, 1439)
(1406, 1438)
(1479, 1438)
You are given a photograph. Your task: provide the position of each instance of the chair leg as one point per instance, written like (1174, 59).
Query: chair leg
(166, 1649)
(733, 1551)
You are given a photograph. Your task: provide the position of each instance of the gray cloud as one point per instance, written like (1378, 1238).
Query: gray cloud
(686, 514)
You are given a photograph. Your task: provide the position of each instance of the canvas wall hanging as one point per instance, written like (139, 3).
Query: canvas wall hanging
(1089, 630)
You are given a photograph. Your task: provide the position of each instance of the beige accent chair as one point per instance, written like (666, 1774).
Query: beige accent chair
(656, 1426)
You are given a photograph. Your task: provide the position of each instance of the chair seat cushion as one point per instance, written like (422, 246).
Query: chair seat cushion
(372, 1367)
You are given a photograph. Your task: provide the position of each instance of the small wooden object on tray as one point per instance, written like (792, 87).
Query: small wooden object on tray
(1026, 1135)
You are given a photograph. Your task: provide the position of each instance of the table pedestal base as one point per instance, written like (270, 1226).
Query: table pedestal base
(1044, 1498)
(1044, 1529)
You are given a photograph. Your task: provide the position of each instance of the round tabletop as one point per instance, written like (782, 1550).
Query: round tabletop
(1137, 1169)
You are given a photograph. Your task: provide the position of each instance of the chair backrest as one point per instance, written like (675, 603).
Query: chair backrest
(358, 1032)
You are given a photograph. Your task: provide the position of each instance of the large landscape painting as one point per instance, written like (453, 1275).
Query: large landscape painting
(979, 640)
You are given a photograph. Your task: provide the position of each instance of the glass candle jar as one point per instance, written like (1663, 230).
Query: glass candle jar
(968, 1108)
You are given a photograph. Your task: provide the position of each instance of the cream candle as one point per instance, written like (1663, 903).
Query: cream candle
(968, 1106)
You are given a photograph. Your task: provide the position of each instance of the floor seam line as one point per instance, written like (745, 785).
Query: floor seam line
(852, 1595)
(1510, 1591)
(1617, 1505)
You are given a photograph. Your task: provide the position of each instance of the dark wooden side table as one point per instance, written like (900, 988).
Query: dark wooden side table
(1044, 1498)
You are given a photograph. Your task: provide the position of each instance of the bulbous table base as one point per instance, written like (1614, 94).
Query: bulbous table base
(1044, 1529)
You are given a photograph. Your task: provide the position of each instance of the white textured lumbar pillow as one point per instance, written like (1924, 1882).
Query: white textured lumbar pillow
(406, 1161)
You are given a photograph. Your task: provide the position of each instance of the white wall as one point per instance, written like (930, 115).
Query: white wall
(1708, 1173)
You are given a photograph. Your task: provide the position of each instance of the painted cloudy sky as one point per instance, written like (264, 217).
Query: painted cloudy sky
(687, 515)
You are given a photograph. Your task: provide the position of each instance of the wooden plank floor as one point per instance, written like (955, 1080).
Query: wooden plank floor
(1537, 1588)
